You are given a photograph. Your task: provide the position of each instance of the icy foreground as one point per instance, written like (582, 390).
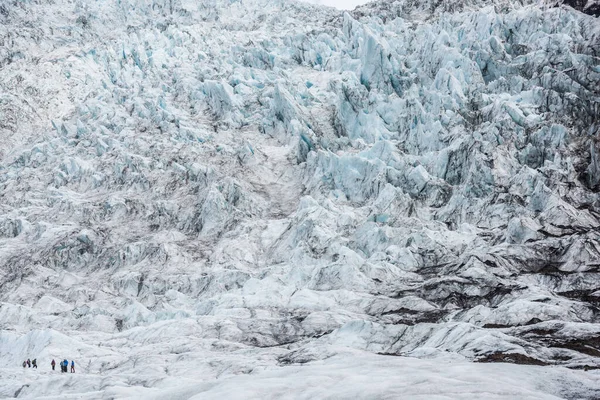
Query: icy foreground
(268, 199)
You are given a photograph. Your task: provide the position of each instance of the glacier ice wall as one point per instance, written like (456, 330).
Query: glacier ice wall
(181, 180)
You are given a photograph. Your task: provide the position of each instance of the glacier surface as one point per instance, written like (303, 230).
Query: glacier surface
(271, 199)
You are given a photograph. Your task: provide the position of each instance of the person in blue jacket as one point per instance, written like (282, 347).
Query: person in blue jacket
(72, 366)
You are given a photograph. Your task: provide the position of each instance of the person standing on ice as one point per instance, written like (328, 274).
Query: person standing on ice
(66, 365)
(72, 366)
(28, 363)
(34, 363)
(62, 366)
(53, 363)
(24, 364)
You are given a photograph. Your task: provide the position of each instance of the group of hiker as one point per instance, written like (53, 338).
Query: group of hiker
(30, 363)
(64, 365)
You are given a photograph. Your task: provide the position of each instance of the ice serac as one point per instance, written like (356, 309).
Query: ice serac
(194, 191)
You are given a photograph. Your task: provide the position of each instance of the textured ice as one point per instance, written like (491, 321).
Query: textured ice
(266, 198)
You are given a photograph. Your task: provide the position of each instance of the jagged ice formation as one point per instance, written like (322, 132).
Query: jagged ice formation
(196, 191)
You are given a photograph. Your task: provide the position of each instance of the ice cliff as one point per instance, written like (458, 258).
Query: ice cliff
(192, 191)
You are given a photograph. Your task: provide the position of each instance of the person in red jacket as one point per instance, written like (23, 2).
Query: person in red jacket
(53, 363)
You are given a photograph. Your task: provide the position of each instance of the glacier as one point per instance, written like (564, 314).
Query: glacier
(275, 199)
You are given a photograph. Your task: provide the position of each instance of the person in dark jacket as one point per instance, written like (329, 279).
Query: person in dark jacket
(28, 363)
(34, 363)
(24, 364)
(53, 363)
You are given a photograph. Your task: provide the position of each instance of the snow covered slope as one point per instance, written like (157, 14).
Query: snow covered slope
(194, 191)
